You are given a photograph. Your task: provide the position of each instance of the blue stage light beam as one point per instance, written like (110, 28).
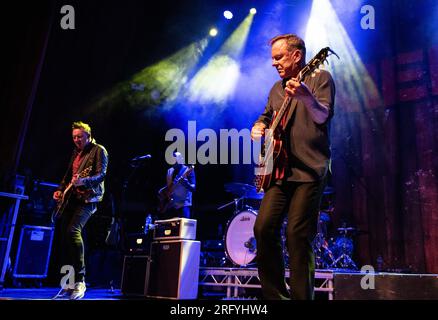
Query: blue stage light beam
(355, 87)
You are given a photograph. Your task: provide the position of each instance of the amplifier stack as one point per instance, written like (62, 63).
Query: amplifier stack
(171, 271)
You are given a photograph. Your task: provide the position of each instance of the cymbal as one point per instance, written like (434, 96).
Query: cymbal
(329, 190)
(347, 229)
(255, 195)
(243, 190)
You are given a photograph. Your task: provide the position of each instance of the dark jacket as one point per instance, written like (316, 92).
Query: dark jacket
(182, 192)
(96, 157)
(308, 142)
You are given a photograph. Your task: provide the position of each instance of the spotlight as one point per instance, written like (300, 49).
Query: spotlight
(253, 11)
(228, 14)
(213, 32)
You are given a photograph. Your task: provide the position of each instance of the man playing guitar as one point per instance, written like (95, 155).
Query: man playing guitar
(299, 172)
(176, 196)
(85, 179)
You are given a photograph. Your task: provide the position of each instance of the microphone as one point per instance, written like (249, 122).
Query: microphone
(146, 156)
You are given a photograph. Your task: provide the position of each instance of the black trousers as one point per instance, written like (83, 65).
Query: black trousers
(183, 212)
(73, 220)
(300, 201)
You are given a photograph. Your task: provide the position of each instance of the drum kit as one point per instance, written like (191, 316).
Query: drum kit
(240, 243)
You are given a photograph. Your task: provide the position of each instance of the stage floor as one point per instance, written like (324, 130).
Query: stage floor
(244, 284)
(49, 293)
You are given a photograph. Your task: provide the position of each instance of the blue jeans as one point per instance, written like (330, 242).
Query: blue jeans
(183, 212)
(73, 220)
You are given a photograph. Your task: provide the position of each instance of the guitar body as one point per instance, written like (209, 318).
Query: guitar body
(165, 198)
(268, 159)
(63, 202)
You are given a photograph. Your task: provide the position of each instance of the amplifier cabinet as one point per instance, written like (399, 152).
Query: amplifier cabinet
(176, 228)
(33, 252)
(135, 275)
(174, 269)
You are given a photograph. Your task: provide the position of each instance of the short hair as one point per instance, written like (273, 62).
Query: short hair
(82, 125)
(293, 42)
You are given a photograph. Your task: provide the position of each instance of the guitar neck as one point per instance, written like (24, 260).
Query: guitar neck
(287, 99)
(280, 113)
(184, 175)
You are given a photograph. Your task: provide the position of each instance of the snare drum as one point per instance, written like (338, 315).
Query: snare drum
(240, 243)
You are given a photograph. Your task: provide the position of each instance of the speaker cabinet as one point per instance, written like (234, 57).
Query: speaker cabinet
(174, 269)
(33, 252)
(386, 286)
(135, 275)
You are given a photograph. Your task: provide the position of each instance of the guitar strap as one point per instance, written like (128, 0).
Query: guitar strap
(84, 162)
(289, 114)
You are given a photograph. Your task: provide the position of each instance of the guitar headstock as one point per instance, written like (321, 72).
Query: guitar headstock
(313, 65)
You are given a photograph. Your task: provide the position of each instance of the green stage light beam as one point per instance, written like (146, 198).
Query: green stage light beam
(158, 84)
(216, 81)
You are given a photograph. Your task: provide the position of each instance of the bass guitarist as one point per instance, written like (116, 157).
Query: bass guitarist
(176, 196)
(81, 201)
(299, 172)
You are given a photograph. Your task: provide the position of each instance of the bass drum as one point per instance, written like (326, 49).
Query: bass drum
(240, 243)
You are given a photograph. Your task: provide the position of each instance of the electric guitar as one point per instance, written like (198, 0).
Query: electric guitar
(165, 193)
(273, 144)
(63, 201)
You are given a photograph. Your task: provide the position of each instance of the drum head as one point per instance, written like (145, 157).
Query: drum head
(240, 244)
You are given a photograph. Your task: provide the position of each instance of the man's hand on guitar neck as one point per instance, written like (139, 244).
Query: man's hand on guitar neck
(258, 131)
(76, 181)
(298, 90)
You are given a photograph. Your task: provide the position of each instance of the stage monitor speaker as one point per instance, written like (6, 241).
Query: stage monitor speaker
(135, 275)
(174, 271)
(33, 253)
(387, 286)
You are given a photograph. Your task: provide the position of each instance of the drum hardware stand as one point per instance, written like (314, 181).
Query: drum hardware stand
(235, 202)
(322, 251)
(344, 260)
(320, 246)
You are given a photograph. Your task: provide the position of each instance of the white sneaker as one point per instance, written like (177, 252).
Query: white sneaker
(63, 293)
(78, 291)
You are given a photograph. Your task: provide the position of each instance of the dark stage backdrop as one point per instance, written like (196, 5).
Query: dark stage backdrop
(384, 155)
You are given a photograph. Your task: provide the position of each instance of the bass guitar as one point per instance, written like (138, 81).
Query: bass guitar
(165, 193)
